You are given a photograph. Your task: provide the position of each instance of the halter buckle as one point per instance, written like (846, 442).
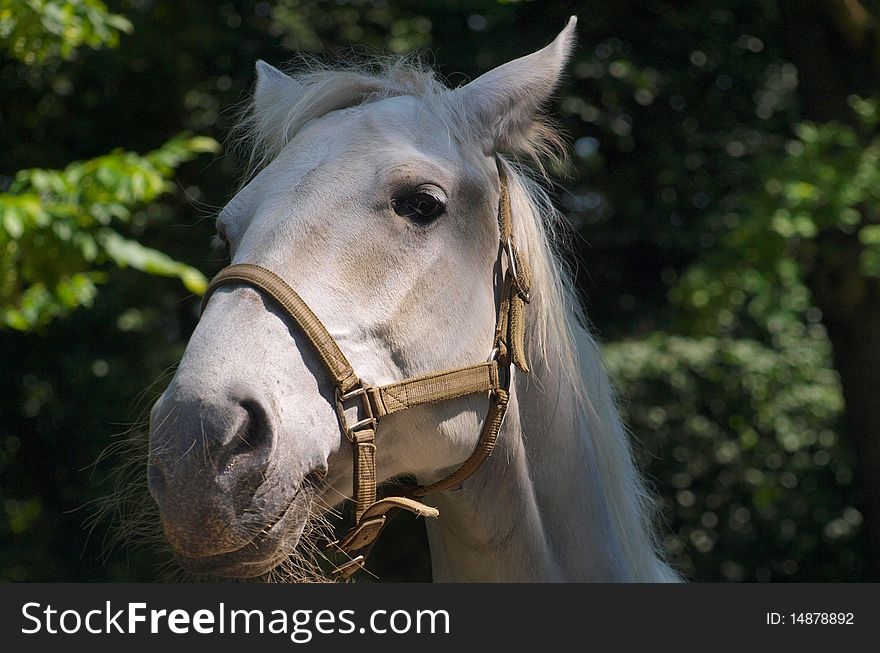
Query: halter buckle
(367, 422)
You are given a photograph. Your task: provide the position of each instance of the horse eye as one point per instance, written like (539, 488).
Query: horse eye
(220, 241)
(421, 207)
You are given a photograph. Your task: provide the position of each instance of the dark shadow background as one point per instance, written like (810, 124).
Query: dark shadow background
(746, 353)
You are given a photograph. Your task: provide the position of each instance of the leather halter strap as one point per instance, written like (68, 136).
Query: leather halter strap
(492, 377)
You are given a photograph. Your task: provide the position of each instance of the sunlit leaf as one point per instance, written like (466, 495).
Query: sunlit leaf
(57, 225)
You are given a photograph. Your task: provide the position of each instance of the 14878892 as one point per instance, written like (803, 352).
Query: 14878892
(811, 618)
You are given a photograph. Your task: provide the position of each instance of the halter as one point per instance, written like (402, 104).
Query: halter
(372, 403)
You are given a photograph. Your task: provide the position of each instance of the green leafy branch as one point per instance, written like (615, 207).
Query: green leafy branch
(35, 31)
(826, 180)
(58, 229)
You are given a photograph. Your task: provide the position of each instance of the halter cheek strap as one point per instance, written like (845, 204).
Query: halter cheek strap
(372, 403)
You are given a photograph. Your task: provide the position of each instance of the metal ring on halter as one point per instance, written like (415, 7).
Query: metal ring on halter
(367, 422)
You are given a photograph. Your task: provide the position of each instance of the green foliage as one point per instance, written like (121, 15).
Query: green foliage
(740, 441)
(741, 412)
(302, 23)
(57, 229)
(35, 31)
(828, 179)
(825, 179)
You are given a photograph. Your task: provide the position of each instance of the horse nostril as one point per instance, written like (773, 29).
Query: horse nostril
(251, 444)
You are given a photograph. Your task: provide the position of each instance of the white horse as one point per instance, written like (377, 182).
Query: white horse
(374, 195)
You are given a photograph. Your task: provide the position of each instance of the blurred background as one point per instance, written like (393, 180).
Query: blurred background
(724, 226)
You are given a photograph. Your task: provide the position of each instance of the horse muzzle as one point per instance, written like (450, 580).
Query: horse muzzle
(224, 507)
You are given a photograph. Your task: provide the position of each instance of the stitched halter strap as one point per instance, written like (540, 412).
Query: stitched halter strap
(372, 403)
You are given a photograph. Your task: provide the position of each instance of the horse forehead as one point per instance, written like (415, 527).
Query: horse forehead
(376, 135)
(393, 113)
(401, 122)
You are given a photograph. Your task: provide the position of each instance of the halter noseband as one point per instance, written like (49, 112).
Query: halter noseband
(374, 403)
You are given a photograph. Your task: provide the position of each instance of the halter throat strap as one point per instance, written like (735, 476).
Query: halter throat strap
(372, 403)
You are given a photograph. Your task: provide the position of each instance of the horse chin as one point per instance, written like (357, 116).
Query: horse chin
(269, 549)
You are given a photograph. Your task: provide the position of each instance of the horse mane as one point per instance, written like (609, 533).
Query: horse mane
(320, 88)
(559, 334)
(560, 341)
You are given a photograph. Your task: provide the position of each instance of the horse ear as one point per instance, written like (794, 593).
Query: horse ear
(502, 103)
(273, 97)
(273, 86)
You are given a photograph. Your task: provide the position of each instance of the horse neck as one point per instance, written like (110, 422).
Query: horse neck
(536, 511)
